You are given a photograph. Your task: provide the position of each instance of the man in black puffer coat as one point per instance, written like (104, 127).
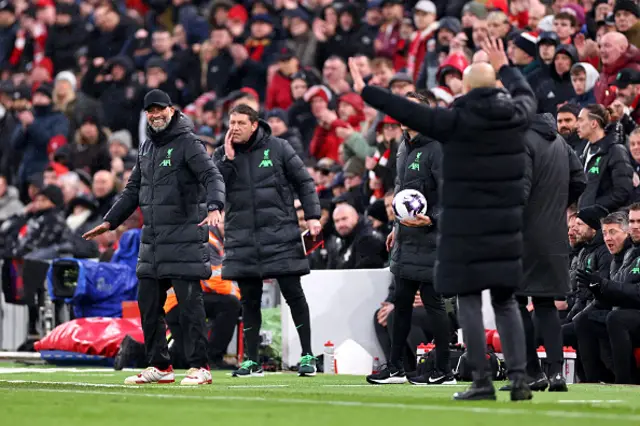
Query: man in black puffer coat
(554, 179)
(262, 237)
(413, 256)
(482, 199)
(180, 191)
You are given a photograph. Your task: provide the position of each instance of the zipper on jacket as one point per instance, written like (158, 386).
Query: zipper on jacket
(253, 205)
(153, 189)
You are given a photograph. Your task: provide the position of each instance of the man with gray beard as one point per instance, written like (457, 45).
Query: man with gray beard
(181, 194)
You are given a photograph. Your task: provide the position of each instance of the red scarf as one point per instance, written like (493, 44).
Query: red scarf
(256, 48)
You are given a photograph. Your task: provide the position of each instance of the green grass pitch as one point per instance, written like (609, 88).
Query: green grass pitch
(82, 397)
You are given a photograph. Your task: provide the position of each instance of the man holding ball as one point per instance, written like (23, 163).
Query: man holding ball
(412, 244)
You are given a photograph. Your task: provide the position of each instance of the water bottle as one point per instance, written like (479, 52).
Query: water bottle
(329, 358)
(376, 366)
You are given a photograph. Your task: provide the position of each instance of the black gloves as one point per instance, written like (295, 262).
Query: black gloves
(589, 280)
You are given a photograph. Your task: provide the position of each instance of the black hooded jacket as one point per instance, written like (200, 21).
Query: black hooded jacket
(482, 195)
(556, 89)
(413, 255)
(175, 183)
(554, 179)
(262, 237)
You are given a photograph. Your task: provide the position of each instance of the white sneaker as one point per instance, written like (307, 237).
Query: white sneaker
(151, 375)
(197, 376)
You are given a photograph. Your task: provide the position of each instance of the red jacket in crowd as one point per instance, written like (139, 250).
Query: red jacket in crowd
(279, 92)
(630, 59)
(417, 51)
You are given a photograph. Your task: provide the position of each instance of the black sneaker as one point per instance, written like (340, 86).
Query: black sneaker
(478, 391)
(434, 378)
(389, 375)
(520, 390)
(558, 384)
(539, 384)
(248, 369)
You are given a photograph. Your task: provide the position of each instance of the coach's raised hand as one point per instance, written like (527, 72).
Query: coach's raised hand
(495, 50)
(358, 81)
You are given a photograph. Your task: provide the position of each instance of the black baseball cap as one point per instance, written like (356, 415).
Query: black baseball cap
(156, 97)
(626, 77)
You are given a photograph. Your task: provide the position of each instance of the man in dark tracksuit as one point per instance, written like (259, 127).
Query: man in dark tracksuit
(262, 237)
(614, 316)
(180, 191)
(413, 257)
(554, 179)
(482, 199)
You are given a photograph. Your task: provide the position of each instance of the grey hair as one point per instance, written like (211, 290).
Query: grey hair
(617, 218)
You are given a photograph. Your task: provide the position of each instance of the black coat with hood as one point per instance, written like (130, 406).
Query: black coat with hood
(482, 195)
(556, 89)
(594, 257)
(262, 237)
(175, 183)
(609, 175)
(413, 255)
(554, 179)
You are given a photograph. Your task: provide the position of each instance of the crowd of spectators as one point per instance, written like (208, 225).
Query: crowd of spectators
(73, 74)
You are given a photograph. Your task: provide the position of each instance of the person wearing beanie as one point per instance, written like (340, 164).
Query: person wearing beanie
(325, 141)
(37, 127)
(180, 193)
(627, 17)
(279, 123)
(302, 41)
(350, 120)
(525, 52)
(377, 215)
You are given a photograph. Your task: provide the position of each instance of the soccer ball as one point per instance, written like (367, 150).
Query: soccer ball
(408, 203)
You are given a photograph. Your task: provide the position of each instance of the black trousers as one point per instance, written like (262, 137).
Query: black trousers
(420, 332)
(151, 297)
(547, 323)
(251, 291)
(594, 348)
(436, 316)
(623, 327)
(222, 311)
(509, 323)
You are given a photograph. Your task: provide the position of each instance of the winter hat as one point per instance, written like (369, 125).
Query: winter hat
(156, 62)
(87, 201)
(55, 143)
(450, 23)
(69, 77)
(44, 89)
(442, 93)
(319, 90)
(527, 42)
(263, 17)
(298, 13)
(477, 9)
(354, 166)
(354, 100)
(280, 114)
(44, 63)
(426, 6)
(7, 6)
(210, 106)
(400, 77)
(591, 215)
(67, 9)
(84, 177)
(238, 13)
(548, 37)
(54, 194)
(627, 5)
(251, 92)
(377, 211)
(575, 10)
(123, 137)
(386, 120)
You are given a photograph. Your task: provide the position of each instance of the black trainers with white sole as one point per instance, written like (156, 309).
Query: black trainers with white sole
(434, 378)
(389, 375)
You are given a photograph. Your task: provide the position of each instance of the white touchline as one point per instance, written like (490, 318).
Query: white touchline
(634, 418)
(590, 401)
